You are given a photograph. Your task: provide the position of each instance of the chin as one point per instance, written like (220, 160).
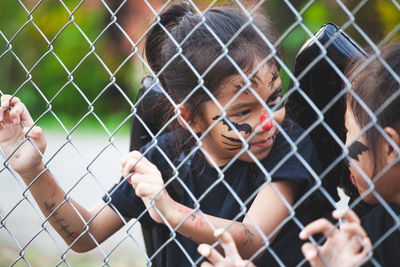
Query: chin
(370, 199)
(259, 156)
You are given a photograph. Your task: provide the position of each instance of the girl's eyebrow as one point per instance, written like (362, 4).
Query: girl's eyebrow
(252, 80)
(239, 106)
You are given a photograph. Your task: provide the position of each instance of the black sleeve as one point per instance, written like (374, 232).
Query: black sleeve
(383, 229)
(296, 163)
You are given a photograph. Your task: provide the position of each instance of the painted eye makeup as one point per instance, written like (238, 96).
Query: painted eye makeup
(274, 101)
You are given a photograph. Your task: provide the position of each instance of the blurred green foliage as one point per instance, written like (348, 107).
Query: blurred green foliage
(67, 67)
(65, 64)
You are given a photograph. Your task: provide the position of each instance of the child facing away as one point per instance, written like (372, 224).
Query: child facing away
(373, 154)
(374, 165)
(229, 165)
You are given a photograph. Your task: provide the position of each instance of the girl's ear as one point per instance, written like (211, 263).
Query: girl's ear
(392, 152)
(183, 119)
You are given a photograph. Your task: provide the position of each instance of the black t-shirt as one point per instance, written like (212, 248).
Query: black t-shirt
(383, 228)
(222, 193)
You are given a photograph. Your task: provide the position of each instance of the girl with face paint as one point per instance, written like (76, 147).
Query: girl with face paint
(373, 159)
(229, 137)
(229, 163)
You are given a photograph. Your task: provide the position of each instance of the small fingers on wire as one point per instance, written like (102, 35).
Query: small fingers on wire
(318, 226)
(228, 243)
(9, 100)
(353, 229)
(210, 253)
(309, 251)
(361, 257)
(346, 214)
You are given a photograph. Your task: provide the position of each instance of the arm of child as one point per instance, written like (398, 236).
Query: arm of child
(25, 155)
(267, 211)
(232, 257)
(344, 247)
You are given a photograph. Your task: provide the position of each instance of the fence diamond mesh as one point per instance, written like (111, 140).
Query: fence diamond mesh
(78, 67)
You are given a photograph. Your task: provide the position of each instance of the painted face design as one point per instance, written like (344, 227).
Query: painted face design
(362, 164)
(243, 116)
(244, 127)
(355, 150)
(266, 123)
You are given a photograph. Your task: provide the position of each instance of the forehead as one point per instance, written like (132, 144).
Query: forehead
(266, 77)
(265, 73)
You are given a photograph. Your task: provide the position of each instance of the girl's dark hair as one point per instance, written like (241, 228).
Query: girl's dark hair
(374, 84)
(194, 37)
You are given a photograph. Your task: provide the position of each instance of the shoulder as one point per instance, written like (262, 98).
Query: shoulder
(381, 225)
(164, 146)
(292, 156)
(294, 132)
(292, 140)
(380, 219)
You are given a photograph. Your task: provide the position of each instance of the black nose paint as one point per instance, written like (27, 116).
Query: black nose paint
(244, 127)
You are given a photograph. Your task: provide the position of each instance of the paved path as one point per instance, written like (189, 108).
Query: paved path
(69, 167)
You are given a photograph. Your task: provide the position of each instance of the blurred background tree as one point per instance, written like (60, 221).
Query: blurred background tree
(71, 60)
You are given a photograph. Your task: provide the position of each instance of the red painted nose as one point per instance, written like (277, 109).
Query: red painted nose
(266, 122)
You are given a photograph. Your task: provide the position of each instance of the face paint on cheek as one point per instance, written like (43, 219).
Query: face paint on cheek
(356, 149)
(244, 127)
(236, 146)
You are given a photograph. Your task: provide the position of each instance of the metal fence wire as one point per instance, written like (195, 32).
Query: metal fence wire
(86, 165)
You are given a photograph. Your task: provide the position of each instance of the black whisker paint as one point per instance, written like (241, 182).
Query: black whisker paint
(234, 148)
(232, 139)
(229, 144)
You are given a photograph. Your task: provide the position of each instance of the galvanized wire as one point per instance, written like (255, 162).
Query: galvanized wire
(23, 194)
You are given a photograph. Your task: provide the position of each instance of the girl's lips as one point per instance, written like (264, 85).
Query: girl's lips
(265, 143)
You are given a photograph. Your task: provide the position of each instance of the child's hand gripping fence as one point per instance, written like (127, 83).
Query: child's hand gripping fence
(59, 90)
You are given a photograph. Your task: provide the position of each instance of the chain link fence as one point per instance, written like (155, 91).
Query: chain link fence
(84, 152)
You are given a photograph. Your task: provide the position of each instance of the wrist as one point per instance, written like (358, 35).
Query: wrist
(179, 213)
(170, 211)
(32, 173)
